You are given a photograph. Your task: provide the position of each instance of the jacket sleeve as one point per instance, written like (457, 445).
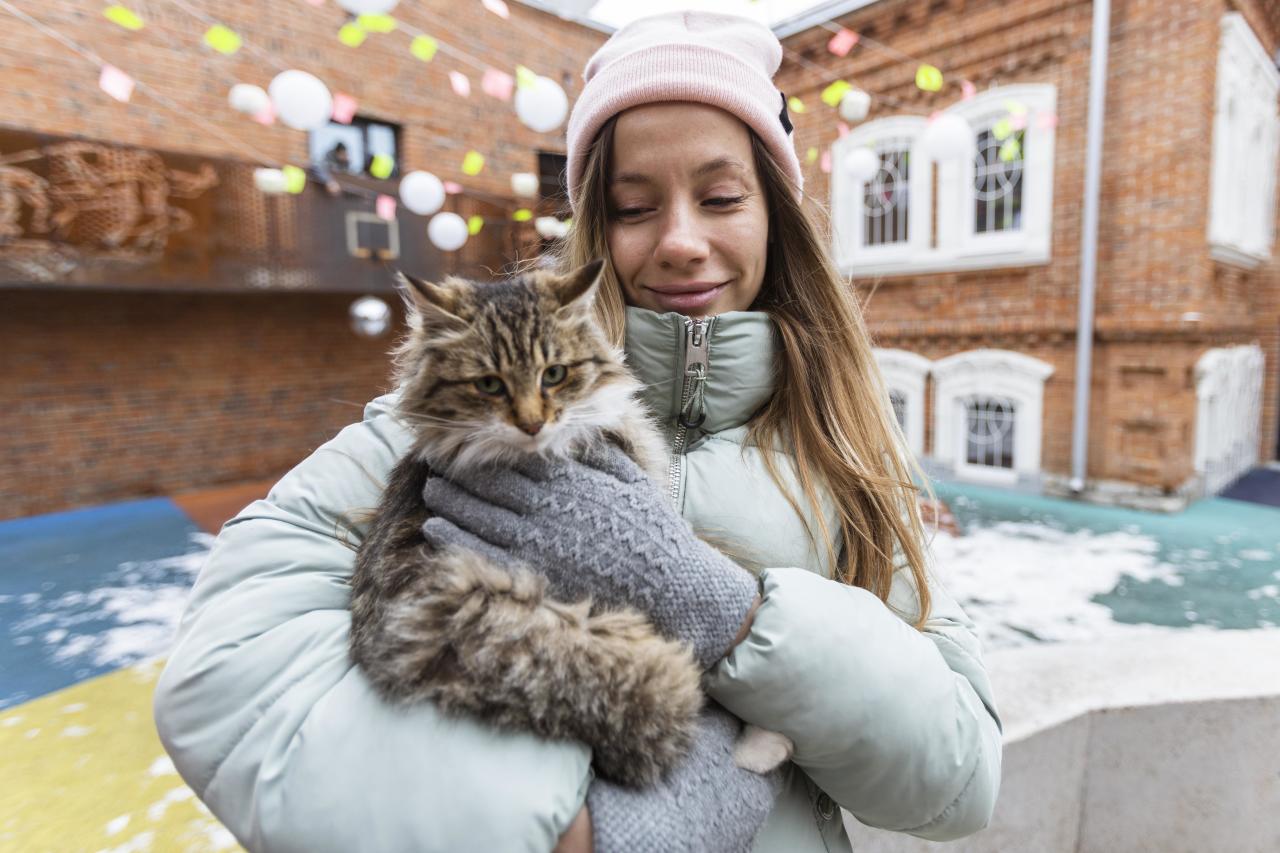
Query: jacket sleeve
(897, 725)
(275, 730)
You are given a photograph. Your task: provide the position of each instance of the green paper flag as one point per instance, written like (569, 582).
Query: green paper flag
(123, 17)
(352, 35)
(524, 214)
(1002, 129)
(222, 39)
(929, 78)
(524, 77)
(811, 155)
(795, 104)
(472, 163)
(424, 47)
(295, 180)
(833, 94)
(377, 23)
(1011, 150)
(381, 166)
(474, 224)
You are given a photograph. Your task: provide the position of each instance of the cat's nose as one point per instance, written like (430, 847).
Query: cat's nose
(531, 427)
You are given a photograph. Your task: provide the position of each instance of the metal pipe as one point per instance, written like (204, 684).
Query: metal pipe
(1089, 240)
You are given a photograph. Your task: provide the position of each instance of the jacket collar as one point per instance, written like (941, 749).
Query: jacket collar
(740, 364)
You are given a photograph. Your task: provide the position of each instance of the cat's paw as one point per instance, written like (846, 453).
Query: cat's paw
(760, 750)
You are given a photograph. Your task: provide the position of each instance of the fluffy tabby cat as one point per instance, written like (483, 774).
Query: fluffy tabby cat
(484, 640)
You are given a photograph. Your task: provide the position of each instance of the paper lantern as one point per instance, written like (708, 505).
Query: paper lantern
(550, 228)
(368, 7)
(854, 105)
(248, 98)
(541, 106)
(447, 231)
(370, 316)
(862, 164)
(948, 137)
(301, 100)
(422, 192)
(525, 184)
(269, 180)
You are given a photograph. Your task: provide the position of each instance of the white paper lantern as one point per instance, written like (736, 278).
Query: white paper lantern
(422, 192)
(447, 231)
(370, 316)
(948, 137)
(301, 100)
(542, 105)
(248, 98)
(862, 164)
(368, 7)
(270, 180)
(525, 184)
(550, 228)
(854, 105)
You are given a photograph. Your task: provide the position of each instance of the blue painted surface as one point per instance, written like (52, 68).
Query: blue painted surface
(1221, 549)
(77, 591)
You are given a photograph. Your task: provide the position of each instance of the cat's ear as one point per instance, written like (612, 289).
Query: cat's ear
(577, 288)
(436, 304)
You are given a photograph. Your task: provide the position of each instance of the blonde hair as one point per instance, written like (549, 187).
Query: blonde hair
(830, 401)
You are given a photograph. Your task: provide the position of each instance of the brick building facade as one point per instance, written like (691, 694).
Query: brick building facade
(977, 325)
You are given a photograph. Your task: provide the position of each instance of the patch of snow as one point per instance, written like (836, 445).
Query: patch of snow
(1257, 554)
(157, 809)
(74, 707)
(114, 827)
(77, 731)
(137, 844)
(162, 766)
(11, 721)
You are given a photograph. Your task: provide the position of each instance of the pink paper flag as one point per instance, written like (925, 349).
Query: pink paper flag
(842, 42)
(1047, 121)
(266, 115)
(316, 2)
(461, 85)
(344, 108)
(452, 188)
(116, 83)
(967, 90)
(497, 7)
(1018, 122)
(842, 129)
(498, 84)
(825, 163)
(386, 207)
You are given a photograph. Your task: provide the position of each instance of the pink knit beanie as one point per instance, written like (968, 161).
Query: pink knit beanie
(722, 60)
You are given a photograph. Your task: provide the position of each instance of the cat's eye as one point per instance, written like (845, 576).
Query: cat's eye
(554, 375)
(491, 385)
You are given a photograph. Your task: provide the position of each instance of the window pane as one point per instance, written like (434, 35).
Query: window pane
(885, 197)
(997, 182)
(989, 439)
(899, 404)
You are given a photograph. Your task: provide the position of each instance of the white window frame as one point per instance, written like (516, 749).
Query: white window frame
(955, 245)
(989, 373)
(1246, 138)
(1228, 414)
(905, 373)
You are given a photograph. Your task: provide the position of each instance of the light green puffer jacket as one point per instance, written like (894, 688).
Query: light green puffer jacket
(271, 725)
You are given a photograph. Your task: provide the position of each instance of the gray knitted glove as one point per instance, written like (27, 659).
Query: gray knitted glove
(599, 528)
(705, 804)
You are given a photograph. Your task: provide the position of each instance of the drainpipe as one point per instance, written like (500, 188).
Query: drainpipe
(1089, 240)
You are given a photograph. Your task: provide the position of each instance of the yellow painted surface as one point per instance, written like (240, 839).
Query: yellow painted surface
(83, 770)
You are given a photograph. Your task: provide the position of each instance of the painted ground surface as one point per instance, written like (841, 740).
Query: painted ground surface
(89, 601)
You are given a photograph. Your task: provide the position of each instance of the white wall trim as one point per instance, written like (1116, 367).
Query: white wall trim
(1228, 414)
(905, 372)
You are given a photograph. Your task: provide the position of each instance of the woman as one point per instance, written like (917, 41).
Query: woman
(684, 176)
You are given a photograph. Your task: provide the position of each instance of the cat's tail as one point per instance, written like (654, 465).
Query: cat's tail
(486, 641)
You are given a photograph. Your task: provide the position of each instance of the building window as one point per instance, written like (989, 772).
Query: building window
(989, 440)
(350, 148)
(1245, 140)
(886, 201)
(1228, 414)
(997, 182)
(993, 202)
(904, 376)
(553, 180)
(988, 414)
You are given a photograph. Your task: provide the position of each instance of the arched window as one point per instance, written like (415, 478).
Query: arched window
(883, 217)
(988, 414)
(904, 376)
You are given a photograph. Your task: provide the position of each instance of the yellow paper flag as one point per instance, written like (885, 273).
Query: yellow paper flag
(352, 35)
(377, 23)
(811, 155)
(929, 78)
(524, 214)
(1011, 150)
(472, 163)
(222, 39)
(295, 180)
(474, 224)
(524, 77)
(123, 17)
(424, 47)
(833, 94)
(795, 104)
(382, 166)
(1002, 128)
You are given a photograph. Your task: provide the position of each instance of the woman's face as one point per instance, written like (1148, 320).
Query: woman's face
(688, 224)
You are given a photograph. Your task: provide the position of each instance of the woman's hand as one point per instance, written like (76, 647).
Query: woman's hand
(598, 528)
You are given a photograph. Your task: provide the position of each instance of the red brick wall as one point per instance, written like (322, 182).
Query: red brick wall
(1153, 255)
(108, 396)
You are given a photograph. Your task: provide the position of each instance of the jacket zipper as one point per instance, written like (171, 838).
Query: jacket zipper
(692, 396)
